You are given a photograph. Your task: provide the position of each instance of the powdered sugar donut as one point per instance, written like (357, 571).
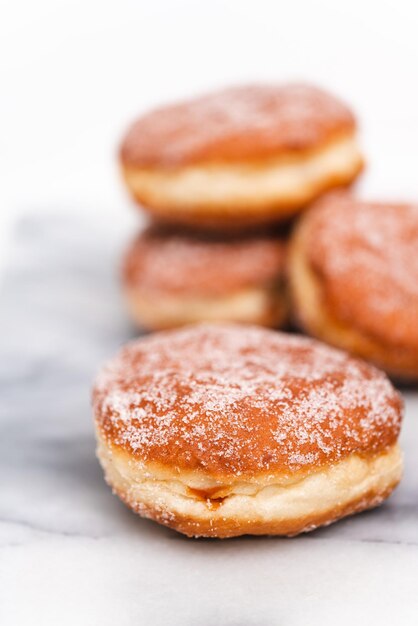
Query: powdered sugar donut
(171, 279)
(224, 430)
(244, 156)
(354, 278)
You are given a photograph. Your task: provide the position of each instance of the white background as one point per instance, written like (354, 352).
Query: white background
(73, 73)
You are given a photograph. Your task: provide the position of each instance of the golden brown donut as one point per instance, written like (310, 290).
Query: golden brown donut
(220, 430)
(244, 156)
(354, 279)
(171, 279)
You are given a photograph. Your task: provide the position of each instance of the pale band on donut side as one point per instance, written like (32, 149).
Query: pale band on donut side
(225, 430)
(198, 507)
(259, 192)
(253, 305)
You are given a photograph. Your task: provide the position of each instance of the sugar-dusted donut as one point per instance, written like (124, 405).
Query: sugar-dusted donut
(354, 279)
(244, 156)
(221, 430)
(171, 279)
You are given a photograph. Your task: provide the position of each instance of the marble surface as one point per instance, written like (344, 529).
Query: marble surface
(71, 553)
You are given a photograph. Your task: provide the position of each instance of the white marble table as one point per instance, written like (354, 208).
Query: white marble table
(71, 553)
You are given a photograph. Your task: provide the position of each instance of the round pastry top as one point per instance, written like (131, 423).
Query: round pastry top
(172, 263)
(235, 400)
(237, 124)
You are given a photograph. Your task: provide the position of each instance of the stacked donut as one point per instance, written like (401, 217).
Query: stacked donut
(223, 428)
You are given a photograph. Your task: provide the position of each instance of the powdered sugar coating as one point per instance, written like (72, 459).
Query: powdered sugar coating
(366, 256)
(238, 123)
(168, 262)
(240, 400)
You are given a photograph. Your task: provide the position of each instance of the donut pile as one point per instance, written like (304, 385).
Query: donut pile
(215, 426)
(218, 176)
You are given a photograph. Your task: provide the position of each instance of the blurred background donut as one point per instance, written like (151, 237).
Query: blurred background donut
(172, 278)
(240, 157)
(354, 279)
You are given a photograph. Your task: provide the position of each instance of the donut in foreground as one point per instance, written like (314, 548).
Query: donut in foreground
(244, 156)
(225, 430)
(171, 279)
(354, 279)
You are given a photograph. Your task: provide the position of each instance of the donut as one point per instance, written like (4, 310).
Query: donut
(171, 279)
(220, 430)
(240, 157)
(354, 280)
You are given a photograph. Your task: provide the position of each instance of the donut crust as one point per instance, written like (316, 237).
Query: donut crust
(252, 432)
(241, 157)
(337, 305)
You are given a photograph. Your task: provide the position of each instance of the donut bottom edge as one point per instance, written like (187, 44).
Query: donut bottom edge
(264, 305)
(236, 195)
(310, 313)
(319, 498)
